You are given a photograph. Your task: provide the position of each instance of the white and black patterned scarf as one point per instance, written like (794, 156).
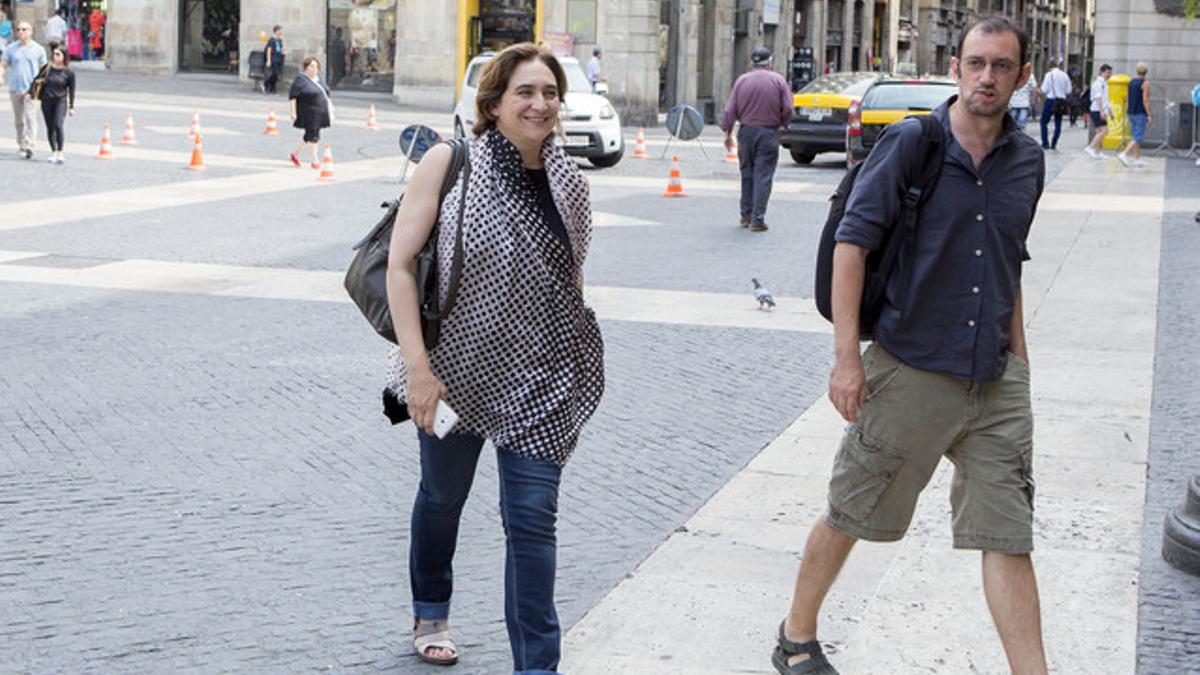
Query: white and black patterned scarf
(520, 353)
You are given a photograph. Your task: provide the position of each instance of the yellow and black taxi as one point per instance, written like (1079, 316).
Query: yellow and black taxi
(820, 115)
(889, 101)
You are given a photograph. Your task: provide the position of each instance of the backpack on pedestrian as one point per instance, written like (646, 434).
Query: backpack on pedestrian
(921, 177)
(366, 278)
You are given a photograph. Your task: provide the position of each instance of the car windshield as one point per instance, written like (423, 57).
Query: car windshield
(908, 95)
(848, 84)
(576, 80)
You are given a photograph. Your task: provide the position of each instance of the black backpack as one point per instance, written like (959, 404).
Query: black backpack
(922, 175)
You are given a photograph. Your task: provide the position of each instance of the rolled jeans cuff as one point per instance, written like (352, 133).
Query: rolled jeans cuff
(431, 611)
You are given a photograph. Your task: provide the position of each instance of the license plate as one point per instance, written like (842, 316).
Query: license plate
(817, 114)
(575, 141)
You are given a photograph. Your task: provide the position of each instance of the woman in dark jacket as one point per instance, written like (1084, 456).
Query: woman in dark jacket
(312, 110)
(58, 100)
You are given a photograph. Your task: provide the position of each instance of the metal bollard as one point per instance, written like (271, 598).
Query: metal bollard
(1181, 532)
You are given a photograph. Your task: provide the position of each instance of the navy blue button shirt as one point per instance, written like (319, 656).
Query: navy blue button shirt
(950, 301)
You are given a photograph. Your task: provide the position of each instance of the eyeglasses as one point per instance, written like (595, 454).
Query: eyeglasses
(974, 64)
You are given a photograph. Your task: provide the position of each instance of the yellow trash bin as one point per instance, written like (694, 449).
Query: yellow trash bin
(1118, 93)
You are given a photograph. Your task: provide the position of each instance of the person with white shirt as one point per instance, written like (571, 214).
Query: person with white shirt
(56, 28)
(1100, 112)
(1056, 86)
(595, 71)
(1021, 102)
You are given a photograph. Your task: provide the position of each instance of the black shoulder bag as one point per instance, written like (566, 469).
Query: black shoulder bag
(366, 278)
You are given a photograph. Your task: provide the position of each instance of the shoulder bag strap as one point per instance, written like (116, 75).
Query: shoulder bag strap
(463, 159)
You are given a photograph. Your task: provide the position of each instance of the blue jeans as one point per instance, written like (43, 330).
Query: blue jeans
(1137, 127)
(1047, 111)
(528, 510)
(1020, 116)
(758, 154)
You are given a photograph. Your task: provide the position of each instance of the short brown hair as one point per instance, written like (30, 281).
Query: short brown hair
(493, 81)
(308, 60)
(996, 24)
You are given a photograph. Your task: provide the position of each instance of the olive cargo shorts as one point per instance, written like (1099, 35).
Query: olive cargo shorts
(914, 417)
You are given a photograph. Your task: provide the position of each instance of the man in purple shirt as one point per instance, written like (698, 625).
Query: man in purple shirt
(761, 102)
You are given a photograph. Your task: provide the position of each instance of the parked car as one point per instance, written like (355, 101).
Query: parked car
(591, 126)
(819, 119)
(889, 101)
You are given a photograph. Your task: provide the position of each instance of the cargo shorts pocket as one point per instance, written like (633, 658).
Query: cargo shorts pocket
(862, 471)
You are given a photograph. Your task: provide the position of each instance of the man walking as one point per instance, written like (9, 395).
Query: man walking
(761, 102)
(1056, 87)
(1100, 112)
(948, 373)
(1139, 115)
(24, 59)
(56, 28)
(274, 59)
(595, 71)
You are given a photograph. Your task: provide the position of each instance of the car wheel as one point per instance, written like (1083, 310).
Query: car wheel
(458, 129)
(801, 156)
(605, 161)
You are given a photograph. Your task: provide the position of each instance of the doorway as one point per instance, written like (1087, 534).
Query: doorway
(208, 35)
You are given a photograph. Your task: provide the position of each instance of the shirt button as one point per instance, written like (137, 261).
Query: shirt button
(974, 289)
(978, 253)
(978, 216)
(979, 183)
(971, 323)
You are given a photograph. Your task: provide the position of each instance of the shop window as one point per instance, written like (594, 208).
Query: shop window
(581, 20)
(87, 21)
(361, 44)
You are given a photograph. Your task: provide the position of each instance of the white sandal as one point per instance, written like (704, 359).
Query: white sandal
(433, 638)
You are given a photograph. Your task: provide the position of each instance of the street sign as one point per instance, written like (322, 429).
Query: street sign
(416, 140)
(685, 122)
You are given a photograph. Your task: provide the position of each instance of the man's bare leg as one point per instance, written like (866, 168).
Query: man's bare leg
(825, 553)
(1012, 596)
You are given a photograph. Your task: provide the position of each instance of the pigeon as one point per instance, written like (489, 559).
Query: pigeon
(762, 295)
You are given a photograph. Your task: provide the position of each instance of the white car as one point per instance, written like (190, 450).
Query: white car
(591, 126)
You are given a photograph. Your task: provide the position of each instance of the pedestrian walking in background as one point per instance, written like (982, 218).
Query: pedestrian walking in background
(1100, 112)
(275, 55)
(761, 103)
(1022, 102)
(337, 58)
(1056, 86)
(56, 28)
(6, 27)
(520, 356)
(24, 59)
(595, 70)
(948, 373)
(312, 109)
(1077, 102)
(1139, 114)
(58, 100)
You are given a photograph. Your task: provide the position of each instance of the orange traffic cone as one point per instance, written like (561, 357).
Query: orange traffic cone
(731, 155)
(326, 165)
(271, 129)
(195, 130)
(371, 118)
(105, 145)
(639, 149)
(197, 163)
(130, 137)
(674, 182)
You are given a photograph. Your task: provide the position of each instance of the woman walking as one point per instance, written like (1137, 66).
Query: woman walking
(520, 357)
(58, 100)
(312, 110)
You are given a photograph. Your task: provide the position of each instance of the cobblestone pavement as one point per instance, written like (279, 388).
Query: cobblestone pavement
(199, 483)
(1169, 620)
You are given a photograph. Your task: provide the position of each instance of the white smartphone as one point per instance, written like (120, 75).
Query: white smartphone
(444, 419)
